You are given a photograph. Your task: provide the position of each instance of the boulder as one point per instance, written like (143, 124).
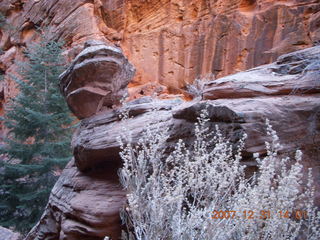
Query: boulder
(97, 78)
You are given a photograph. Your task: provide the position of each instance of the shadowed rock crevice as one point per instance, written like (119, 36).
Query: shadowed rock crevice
(247, 5)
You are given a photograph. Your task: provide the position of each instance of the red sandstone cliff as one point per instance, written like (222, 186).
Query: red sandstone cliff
(85, 201)
(170, 42)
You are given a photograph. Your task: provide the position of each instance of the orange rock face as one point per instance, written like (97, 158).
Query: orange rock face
(171, 42)
(174, 42)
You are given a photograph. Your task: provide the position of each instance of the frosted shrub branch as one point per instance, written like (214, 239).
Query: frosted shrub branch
(173, 197)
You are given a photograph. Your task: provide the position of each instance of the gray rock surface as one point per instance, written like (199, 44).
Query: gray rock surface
(7, 234)
(293, 73)
(96, 141)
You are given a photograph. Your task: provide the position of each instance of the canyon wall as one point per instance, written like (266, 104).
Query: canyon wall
(170, 42)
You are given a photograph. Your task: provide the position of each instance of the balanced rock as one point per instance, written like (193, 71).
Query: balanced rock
(96, 79)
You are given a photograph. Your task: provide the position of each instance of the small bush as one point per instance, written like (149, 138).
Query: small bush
(196, 88)
(180, 197)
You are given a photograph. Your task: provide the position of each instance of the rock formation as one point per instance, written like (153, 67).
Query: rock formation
(85, 201)
(98, 77)
(6, 234)
(286, 92)
(170, 42)
(82, 206)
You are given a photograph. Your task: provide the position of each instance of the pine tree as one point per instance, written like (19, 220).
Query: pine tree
(38, 142)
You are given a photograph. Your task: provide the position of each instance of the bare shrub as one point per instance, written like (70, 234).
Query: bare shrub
(179, 198)
(196, 88)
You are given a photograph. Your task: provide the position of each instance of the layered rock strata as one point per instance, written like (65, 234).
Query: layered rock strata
(286, 92)
(85, 202)
(6, 234)
(96, 141)
(86, 205)
(82, 206)
(170, 42)
(96, 79)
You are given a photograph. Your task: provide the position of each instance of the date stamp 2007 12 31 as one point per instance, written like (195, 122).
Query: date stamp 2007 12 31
(262, 214)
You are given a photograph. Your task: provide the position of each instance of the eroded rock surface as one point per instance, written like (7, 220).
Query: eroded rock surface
(292, 74)
(6, 234)
(96, 141)
(286, 92)
(170, 42)
(97, 78)
(82, 206)
(86, 200)
(191, 39)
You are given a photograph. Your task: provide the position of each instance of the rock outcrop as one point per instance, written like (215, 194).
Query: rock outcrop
(293, 73)
(6, 234)
(170, 42)
(96, 79)
(286, 92)
(82, 206)
(85, 202)
(96, 141)
(195, 38)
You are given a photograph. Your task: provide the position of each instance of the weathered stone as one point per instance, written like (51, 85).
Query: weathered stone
(97, 78)
(172, 42)
(190, 39)
(7, 58)
(96, 141)
(82, 206)
(6, 234)
(291, 102)
(215, 113)
(74, 209)
(273, 79)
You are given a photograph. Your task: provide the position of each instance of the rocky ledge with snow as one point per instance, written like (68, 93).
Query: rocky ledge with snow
(85, 202)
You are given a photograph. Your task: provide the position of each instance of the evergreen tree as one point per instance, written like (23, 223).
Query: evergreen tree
(39, 124)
